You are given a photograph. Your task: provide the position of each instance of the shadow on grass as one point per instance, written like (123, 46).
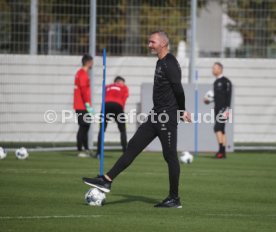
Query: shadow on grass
(132, 198)
(75, 154)
(209, 156)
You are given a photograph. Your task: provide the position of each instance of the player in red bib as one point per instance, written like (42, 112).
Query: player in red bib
(115, 100)
(82, 104)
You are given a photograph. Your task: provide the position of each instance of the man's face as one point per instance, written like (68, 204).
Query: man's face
(155, 44)
(120, 82)
(90, 64)
(216, 70)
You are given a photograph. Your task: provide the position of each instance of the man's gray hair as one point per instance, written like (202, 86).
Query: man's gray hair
(219, 64)
(163, 35)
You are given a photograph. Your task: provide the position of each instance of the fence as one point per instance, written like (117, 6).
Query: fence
(225, 28)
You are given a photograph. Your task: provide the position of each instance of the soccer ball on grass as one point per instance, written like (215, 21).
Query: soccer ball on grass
(3, 153)
(21, 153)
(95, 197)
(186, 157)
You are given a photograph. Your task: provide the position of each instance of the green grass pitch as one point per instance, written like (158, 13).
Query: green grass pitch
(45, 193)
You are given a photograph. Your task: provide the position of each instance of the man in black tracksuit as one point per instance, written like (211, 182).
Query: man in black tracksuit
(222, 100)
(168, 98)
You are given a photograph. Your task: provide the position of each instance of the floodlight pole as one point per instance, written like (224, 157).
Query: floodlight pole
(92, 51)
(34, 26)
(192, 76)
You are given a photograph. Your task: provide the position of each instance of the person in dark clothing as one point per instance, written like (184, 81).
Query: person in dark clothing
(115, 100)
(168, 99)
(222, 100)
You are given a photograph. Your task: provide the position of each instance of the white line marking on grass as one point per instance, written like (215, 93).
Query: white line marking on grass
(97, 216)
(48, 217)
(239, 215)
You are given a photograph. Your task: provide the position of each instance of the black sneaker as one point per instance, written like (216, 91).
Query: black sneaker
(99, 182)
(169, 202)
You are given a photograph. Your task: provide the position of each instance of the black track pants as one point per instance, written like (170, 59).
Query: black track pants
(167, 134)
(114, 109)
(82, 135)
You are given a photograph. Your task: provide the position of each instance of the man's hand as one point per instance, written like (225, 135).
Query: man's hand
(225, 113)
(187, 116)
(89, 109)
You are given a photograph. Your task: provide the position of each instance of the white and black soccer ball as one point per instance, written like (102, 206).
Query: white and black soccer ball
(3, 153)
(95, 197)
(21, 153)
(209, 97)
(186, 157)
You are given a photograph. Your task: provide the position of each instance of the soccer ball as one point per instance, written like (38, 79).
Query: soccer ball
(94, 197)
(186, 157)
(3, 153)
(21, 153)
(209, 97)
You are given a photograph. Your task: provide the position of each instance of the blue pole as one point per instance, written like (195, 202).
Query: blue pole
(103, 114)
(196, 114)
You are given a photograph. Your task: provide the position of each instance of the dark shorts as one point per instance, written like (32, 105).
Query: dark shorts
(219, 127)
(219, 123)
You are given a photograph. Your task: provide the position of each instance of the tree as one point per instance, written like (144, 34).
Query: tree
(124, 26)
(14, 24)
(255, 20)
